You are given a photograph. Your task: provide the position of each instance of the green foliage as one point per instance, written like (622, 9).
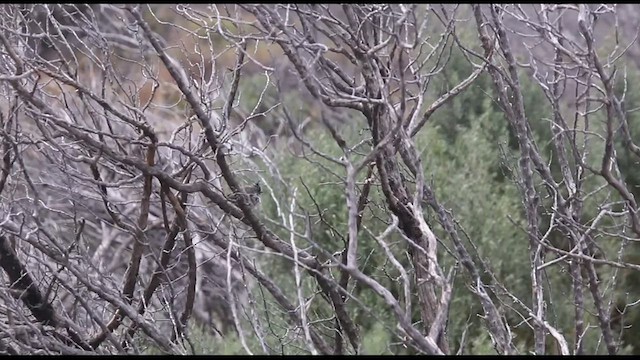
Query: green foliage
(321, 193)
(466, 172)
(628, 161)
(462, 152)
(629, 92)
(459, 114)
(470, 158)
(377, 341)
(206, 344)
(482, 345)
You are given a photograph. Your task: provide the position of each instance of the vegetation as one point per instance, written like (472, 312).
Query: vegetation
(428, 185)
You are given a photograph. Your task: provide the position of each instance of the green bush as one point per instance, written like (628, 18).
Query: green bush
(470, 159)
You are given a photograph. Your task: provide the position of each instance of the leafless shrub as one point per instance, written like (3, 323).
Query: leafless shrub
(120, 147)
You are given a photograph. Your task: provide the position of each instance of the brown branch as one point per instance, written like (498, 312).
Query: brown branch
(21, 282)
(23, 286)
(131, 274)
(228, 105)
(179, 224)
(266, 236)
(6, 151)
(275, 291)
(192, 271)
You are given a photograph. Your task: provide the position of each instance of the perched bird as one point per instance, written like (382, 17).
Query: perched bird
(253, 192)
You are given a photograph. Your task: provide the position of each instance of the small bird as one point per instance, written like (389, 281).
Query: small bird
(253, 193)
